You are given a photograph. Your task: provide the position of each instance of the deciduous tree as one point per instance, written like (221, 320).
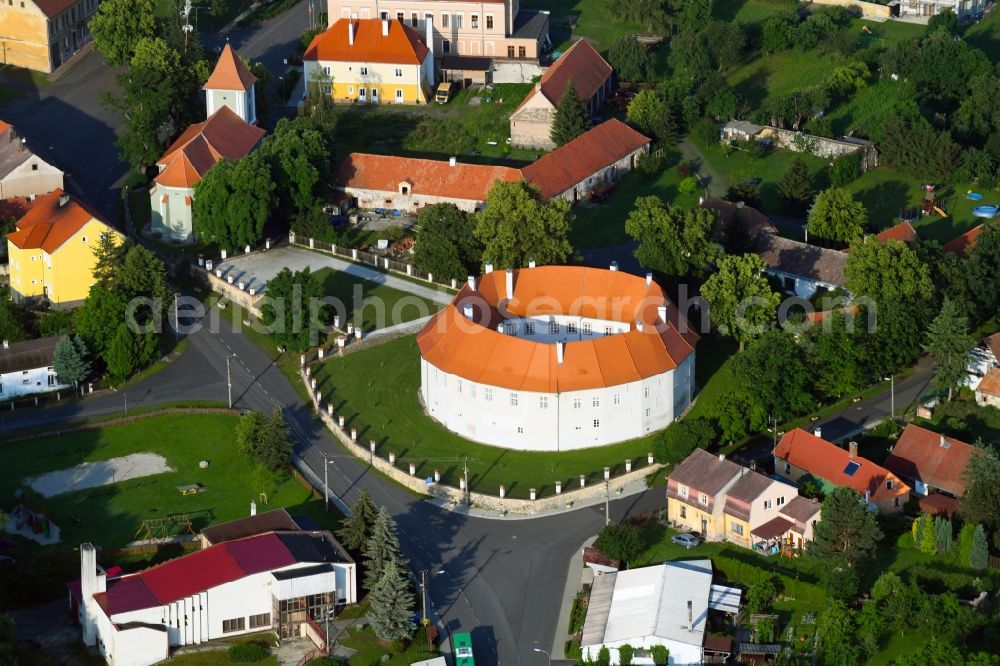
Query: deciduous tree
(836, 216)
(632, 61)
(517, 225)
(773, 371)
(649, 114)
(571, 118)
(292, 311)
(948, 344)
(299, 158)
(445, 243)
(982, 272)
(621, 542)
(234, 200)
(671, 240)
(119, 24)
(888, 272)
(740, 299)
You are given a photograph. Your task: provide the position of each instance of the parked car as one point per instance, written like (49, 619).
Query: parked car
(687, 540)
(443, 93)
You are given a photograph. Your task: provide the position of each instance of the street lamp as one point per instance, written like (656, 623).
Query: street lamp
(229, 379)
(543, 652)
(423, 594)
(892, 397)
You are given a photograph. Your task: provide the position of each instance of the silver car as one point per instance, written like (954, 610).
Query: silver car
(687, 540)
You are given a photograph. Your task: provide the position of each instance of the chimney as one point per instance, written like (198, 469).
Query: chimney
(452, 161)
(818, 431)
(88, 588)
(661, 312)
(253, 508)
(852, 450)
(638, 325)
(868, 496)
(63, 200)
(560, 351)
(472, 282)
(350, 32)
(690, 617)
(6, 344)
(531, 263)
(468, 311)
(649, 279)
(385, 27)
(510, 284)
(944, 442)
(722, 456)
(489, 267)
(614, 266)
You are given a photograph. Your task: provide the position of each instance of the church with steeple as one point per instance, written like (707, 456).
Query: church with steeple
(229, 132)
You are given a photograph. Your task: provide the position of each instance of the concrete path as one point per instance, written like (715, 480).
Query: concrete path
(258, 268)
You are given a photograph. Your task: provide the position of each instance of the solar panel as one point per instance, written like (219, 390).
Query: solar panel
(851, 468)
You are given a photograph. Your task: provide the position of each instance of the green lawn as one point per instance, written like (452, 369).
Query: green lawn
(373, 652)
(596, 20)
(604, 224)
(751, 12)
(376, 391)
(985, 35)
(713, 374)
(371, 305)
(781, 73)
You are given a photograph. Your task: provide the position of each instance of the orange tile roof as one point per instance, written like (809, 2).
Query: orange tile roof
(991, 383)
(963, 245)
(477, 351)
(4, 126)
(992, 343)
(582, 63)
(48, 224)
(819, 316)
(230, 73)
(932, 458)
(203, 144)
(366, 171)
(574, 162)
(902, 232)
(401, 46)
(828, 462)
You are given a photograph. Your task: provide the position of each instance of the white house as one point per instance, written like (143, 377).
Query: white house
(557, 358)
(286, 582)
(23, 173)
(666, 605)
(26, 368)
(802, 269)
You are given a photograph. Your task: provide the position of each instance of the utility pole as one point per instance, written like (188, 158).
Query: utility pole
(229, 383)
(423, 594)
(126, 403)
(466, 473)
(177, 317)
(892, 397)
(326, 484)
(607, 502)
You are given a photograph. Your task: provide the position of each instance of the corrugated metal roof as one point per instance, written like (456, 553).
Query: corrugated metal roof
(724, 598)
(598, 609)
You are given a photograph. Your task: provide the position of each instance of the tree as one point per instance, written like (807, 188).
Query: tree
(291, 310)
(234, 200)
(8, 640)
(571, 118)
(738, 414)
(267, 440)
(356, 528)
(620, 542)
(98, 318)
(603, 657)
(632, 61)
(119, 24)
(649, 113)
(887, 273)
(70, 360)
(740, 299)
(122, 355)
(847, 533)
(945, 21)
(142, 274)
(299, 157)
(625, 652)
(837, 357)
(445, 245)
(682, 437)
(943, 534)
(381, 549)
(516, 226)
(774, 372)
(982, 270)
(981, 502)
(836, 216)
(12, 318)
(948, 344)
(109, 255)
(778, 33)
(672, 240)
(917, 149)
(391, 604)
(660, 655)
(837, 629)
(760, 596)
(847, 79)
(248, 430)
(979, 555)
(928, 538)
(845, 170)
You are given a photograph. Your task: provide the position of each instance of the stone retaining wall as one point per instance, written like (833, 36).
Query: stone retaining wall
(591, 493)
(867, 9)
(232, 292)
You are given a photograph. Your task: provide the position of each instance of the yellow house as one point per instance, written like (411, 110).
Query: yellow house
(52, 250)
(43, 34)
(370, 61)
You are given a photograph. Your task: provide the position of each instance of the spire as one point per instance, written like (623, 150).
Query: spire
(230, 73)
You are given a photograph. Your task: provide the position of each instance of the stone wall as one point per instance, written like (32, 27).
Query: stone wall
(821, 146)
(568, 498)
(867, 9)
(233, 292)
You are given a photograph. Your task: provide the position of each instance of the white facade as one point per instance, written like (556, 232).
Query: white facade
(35, 176)
(244, 103)
(29, 382)
(927, 8)
(796, 285)
(532, 421)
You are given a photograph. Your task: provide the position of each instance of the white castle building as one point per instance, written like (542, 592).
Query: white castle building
(557, 358)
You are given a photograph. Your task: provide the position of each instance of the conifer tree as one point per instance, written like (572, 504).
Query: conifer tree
(979, 554)
(69, 359)
(928, 537)
(795, 186)
(942, 528)
(109, 256)
(571, 117)
(381, 548)
(391, 604)
(847, 532)
(357, 528)
(949, 344)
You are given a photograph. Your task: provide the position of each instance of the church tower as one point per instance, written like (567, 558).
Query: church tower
(231, 84)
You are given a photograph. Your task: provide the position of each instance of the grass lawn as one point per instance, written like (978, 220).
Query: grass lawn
(376, 391)
(985, 35)
(751, 12)
(372, 652)
(978, 421)
(213, 658)
(780, 74)
(604, 224)
(713, 373)
(371, 305)
(596, 20)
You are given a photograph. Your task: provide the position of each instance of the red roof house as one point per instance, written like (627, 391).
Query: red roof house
(963, 245)
(930, 460)
(902, 232)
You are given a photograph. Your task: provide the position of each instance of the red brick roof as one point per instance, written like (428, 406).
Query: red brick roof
(582, 63)
(993, 344)
(230, 73)
(830, 462)
(203, 144)
(963, 245)
(574, 162)
(935, 459)
(49, 224)
(991, 383)
(437, 178)
(902, 232)
(401, 46)
(54, 7)
(937, 504)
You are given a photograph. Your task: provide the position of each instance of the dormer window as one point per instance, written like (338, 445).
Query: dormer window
(405, 187)
(703, 498)
(888, 484)
(682, 490)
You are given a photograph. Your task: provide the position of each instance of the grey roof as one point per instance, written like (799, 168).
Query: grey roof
(28, 355)
(465, 63)
(749, 487)
(705, 472)
(598, 609)
(530, 25)
(802, 260)
(314, 546)
(269, 521)
(800, 508)
(14, 152)
(724, 598)
(302, 572)
(743, 126)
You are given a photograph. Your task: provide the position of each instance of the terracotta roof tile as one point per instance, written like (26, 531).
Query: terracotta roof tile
(577, 160)
(991, 383)
(477, 351)
(993, 344)
(402, 45)
(963, 245)
(756, 222)
(582, 63)
(49, 224)
(54, 7)
(223, 135)
(937, 504)
(704, 472)
(829, 462)
(934, 459)
(472, 182)
(230, 73)
(902, 232)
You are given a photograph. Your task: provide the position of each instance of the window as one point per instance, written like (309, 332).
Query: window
(736, 528)
(326, 70)
(236, 624)
(543, 402)
(445, 45)
(444, 20)
(327, 89)
(684, 513)
(262, 620)
(703, 498)
(553, 327)
(52, 380)
(529, 328)
(510, 51)
(384, 16)
(645, 392)
(84, 239)
(364, 71)
(596, 402)
(788, 468)
(617, 399)
(34, 167)
(577, 403)
(475, 21)
(489, 21)
(489, 394)
(522, 52)
(607, 330)
(513, 400)
(682, 490)
(647, 412)
(520, 430)
(399, 94)
(460, 387)
(571, 328)
(781, 500)
(509, 329)
(458, 21)
(587, 329)
(597, 423)
(399, 16)
(399, 74)
(361, 94)
(888, 484)
(767, 505)
(413, 19)
(350, 90)
(472, 390)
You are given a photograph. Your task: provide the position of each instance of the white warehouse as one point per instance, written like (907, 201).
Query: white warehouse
(282, 581)
(557, 358)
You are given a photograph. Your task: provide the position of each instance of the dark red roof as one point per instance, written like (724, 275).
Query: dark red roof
(935, 459)
(963, 245)
(581, 63)
(937, 504)
(902, 232)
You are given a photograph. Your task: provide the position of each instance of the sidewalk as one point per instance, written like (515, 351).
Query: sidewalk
(573, 585)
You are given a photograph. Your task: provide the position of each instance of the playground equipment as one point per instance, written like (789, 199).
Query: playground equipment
(973, 196)
(986, 211)
(940, 212)
(930, 204)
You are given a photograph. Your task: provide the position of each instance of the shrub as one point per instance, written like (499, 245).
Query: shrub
(621, 542)
(650, 163)
(603, 657)
(705, 132)
(689, 185)
(844, 170)
(326, 661)
(625, 652)
(244, 653)
(660, 654)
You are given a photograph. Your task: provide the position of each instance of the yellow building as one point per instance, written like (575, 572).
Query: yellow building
(370, 61)
(52, 250)
(43, 34)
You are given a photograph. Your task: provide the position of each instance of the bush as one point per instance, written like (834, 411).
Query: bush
(621, 542)
(244, 653)
(625, 652)
(682, 437)
(705, 132)
(689, 185)
(660, 654)
(844, 170)
(326, 661)
(650, 163)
